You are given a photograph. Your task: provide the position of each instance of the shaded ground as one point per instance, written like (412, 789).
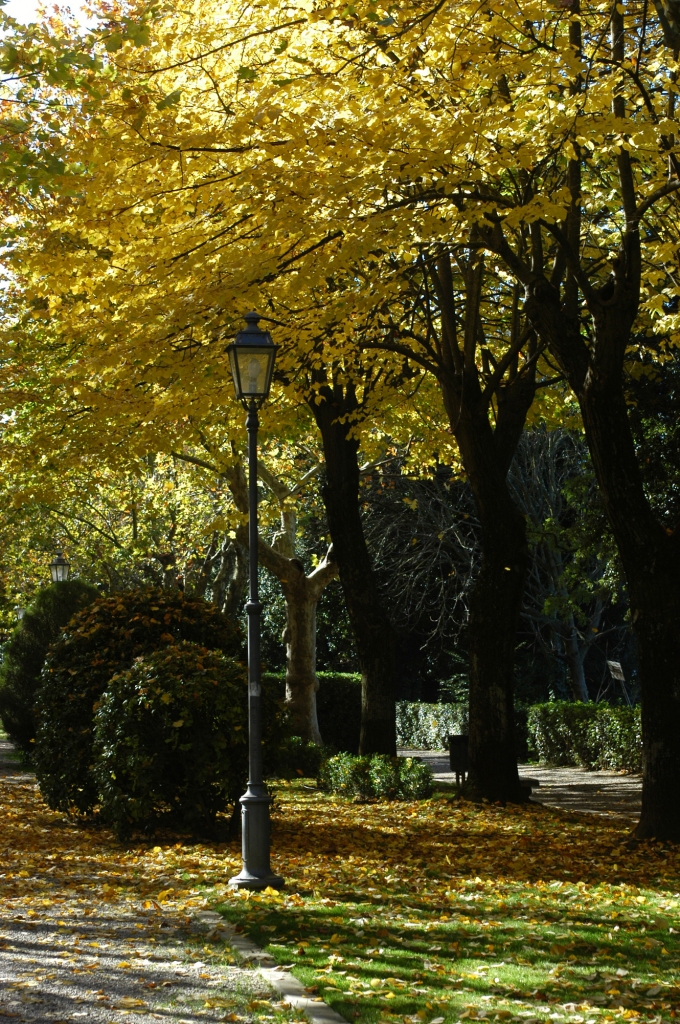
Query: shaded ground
(90, 931)
(571, 789)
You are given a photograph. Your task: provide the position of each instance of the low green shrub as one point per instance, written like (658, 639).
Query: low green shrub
(428, 726)
(25, 652)
(416, 781)
(347, 775)
(171, 739)
(379, 776)
(101, 641)
(383, 774)
(590, 735)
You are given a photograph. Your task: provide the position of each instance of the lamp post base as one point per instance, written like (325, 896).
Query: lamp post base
(256, 872)
(244, 880)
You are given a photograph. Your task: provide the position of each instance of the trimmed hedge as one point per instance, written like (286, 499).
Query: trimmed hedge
(428, 726)
(589, 735)
(380, 776)
(171, 740)
(101, 641)
(295, 758)
(338, 707)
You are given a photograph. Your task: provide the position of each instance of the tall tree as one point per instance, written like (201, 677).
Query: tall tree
(488, 378)
(336, 404)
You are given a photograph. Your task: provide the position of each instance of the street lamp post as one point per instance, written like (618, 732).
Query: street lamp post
(251, 358)
(59, 568)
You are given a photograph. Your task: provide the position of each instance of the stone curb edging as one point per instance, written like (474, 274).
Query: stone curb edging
(283, 982)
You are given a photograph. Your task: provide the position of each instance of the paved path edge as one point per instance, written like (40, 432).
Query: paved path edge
(286, 984)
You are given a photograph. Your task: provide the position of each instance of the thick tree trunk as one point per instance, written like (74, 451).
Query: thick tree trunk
(300, 638)
(372, 631)
(651, 561)
(496, 602)
(650, 556)
(494, 617)
(657, 616)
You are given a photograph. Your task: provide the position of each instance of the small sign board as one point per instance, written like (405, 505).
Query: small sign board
(616, 670)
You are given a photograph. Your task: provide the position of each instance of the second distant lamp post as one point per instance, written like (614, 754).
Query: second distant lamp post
(59, 568)
(251, 359)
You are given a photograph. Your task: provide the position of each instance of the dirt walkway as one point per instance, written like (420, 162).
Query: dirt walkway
(90, 931)
(574, 789)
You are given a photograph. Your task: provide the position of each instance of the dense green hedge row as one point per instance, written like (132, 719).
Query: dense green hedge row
(427, 726)
(559, 732)
(338, 707)
(591, 735)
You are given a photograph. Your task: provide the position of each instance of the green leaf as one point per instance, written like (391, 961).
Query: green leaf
(171, 100)
(114, 42)
(246, 74)
(139, 34)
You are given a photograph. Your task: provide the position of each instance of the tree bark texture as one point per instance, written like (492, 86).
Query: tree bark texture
(575, 654)
(371, 627)
(496, 601)
(302, 595)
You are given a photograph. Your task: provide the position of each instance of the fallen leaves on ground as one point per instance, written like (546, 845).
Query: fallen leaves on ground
(395, 913)
(445, 911)
(91, 930)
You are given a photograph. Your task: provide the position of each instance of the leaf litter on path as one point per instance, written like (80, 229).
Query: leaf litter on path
(94, 932)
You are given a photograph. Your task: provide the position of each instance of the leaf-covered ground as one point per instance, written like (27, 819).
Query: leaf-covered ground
(446, 911)
(90, 931)
(438, 911)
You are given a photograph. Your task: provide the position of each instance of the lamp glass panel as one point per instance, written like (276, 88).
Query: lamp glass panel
(234, 371)
(59, 570)
(253, 369)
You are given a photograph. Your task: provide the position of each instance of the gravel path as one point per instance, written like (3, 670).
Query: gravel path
(574, 789)
(89, 931)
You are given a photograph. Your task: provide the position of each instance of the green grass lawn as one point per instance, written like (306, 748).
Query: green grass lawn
(394, 912)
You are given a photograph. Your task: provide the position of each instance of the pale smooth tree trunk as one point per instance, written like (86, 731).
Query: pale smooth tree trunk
(575, 654)
(301, 592)
(302, 595)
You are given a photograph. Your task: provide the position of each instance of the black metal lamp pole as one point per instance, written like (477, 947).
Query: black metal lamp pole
(252, 363)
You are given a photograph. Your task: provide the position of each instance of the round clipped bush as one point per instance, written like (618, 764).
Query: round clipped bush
(102, 641)
(347, 775)
(171, 740)
(416, 781)
(25, 653)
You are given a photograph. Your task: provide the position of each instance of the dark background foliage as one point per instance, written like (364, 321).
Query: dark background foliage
(25, 652)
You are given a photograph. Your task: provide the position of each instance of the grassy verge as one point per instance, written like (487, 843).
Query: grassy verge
(443, 911)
